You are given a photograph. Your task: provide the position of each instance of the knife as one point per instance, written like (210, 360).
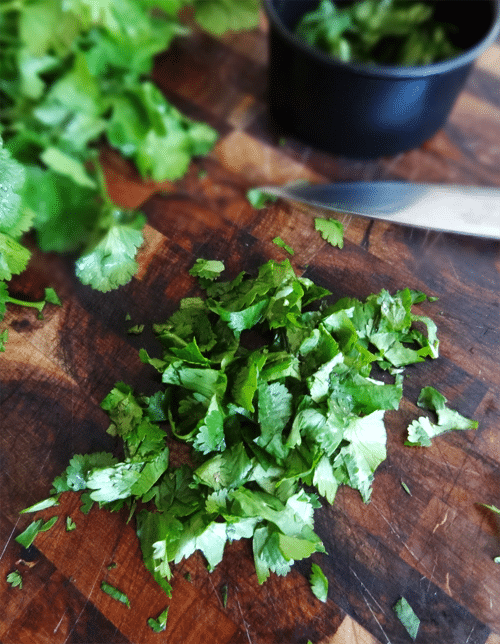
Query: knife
(466, 210)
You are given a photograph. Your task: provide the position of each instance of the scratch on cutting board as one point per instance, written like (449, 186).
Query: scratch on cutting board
(243, 620)
(398, 536)
(87, 601)
(447, 585)
(215, 591)
(438, 525)
(368, 605)
(9, 539)
(60, 622)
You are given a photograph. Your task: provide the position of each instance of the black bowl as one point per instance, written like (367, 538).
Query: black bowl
(366, 111)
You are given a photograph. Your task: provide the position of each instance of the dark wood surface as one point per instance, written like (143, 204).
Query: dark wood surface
(435, 547)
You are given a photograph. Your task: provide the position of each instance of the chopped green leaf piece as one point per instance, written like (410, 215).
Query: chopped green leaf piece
(407, 617)
(319, 583)
(331, 230)
(223, 592)
(493, 508)
(259, 199)
(15, 580)
(279, 242)
(42, 505)
(160, 623)
(115, 593)
(27, 537)
(70, 524)
(207, 268)
(405, 488)
(496, 559)
(422, 430)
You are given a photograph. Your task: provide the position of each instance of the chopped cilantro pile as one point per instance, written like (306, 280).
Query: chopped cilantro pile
(274, 388)
(391, 32)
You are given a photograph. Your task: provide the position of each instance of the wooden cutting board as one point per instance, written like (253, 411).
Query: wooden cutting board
(434, 546)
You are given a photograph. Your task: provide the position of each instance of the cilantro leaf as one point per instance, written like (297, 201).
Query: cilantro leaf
(207, 268)
(422, 430)
(111, 261)
(331, 230)
(27, 537)
(159, 623)
(12, 177)
(115, 593)
(319, 583)
(15, 580)
(407, 617)
(258, 199)
(279, 242)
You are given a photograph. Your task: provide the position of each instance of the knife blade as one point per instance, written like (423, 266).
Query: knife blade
(467, 210)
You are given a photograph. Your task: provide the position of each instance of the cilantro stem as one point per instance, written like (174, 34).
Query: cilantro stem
(36, 305)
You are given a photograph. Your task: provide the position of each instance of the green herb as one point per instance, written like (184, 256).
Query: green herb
(331, 230)
(279, 242)
(160, 623)
(27, 537)
(14, 256)
(422, 430)
(392, 32)
(407, 617)
(405, 488)
(319, 583)
(224, 591)
(14, 579)
(136, 330)
(259, 199)
(70, 524)
(496, 559)
(73, 74)
(273, 424)
(493, 508)
(42, 505)
(115, 593)
(209, 269)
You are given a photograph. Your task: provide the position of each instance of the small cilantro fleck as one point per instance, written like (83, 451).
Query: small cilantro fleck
(405, 488)
(70, 524)
(115, 593)
(279, 242)
(207, 268)
(160, 623)
(407, 617)
(319, 583)
(259, 199)
(15, 580)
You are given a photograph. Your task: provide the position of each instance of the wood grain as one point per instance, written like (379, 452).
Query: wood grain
(435, 546)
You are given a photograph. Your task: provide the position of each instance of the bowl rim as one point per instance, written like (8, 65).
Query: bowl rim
(390, 71)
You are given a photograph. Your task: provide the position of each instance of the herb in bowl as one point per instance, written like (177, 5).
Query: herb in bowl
(390, 32)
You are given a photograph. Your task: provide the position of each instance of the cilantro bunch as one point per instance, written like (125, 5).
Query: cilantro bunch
(274, 389)
(390, 32)
(74, 73)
